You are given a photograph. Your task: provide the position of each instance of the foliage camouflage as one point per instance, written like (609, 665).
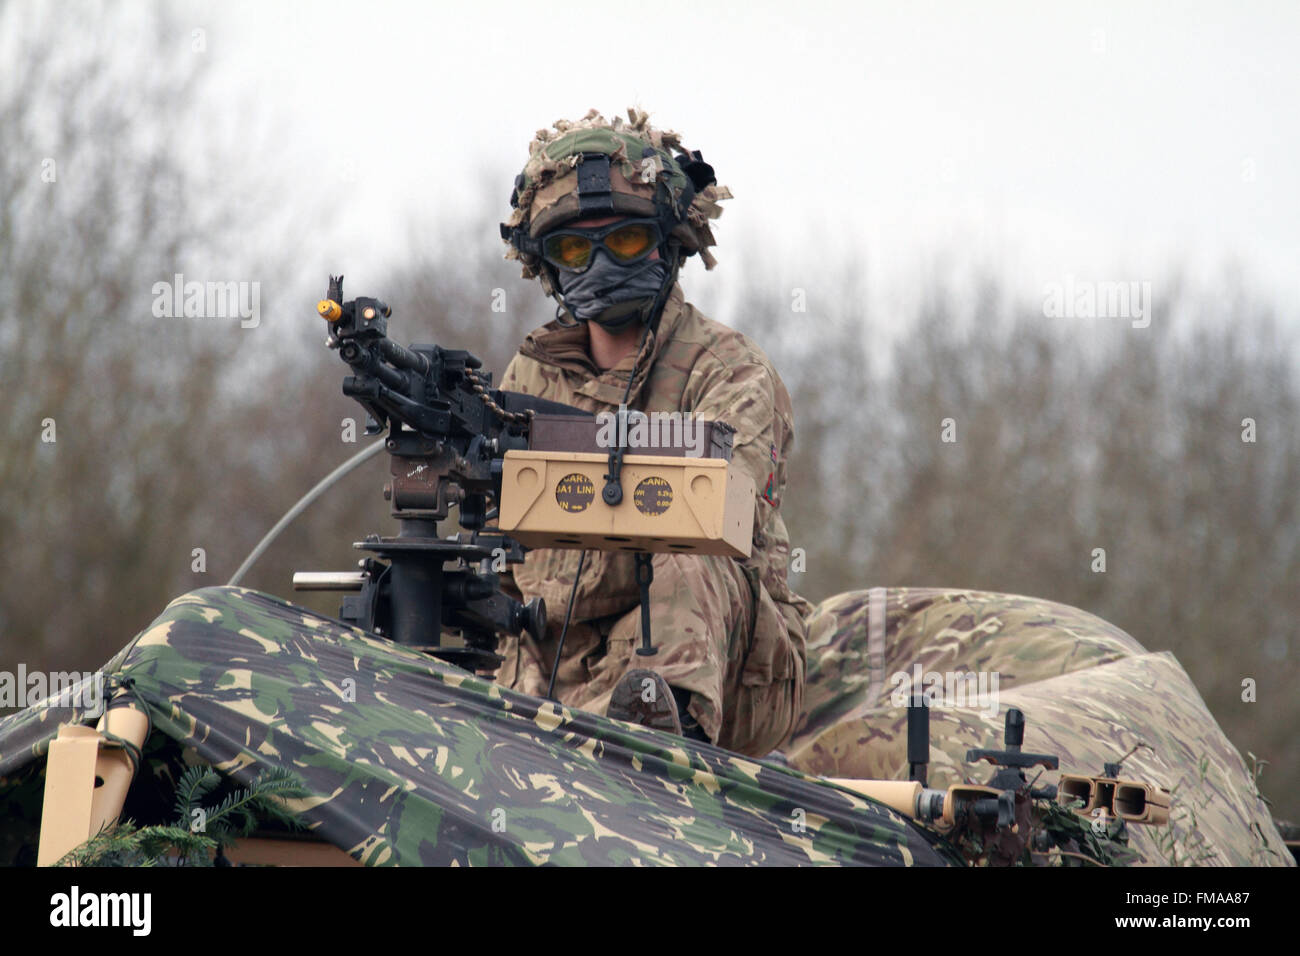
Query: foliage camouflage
(239, 814)
(1089, 691)
(424, 759)
(643, 167)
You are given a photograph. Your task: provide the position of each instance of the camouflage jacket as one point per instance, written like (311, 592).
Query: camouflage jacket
(689, 364)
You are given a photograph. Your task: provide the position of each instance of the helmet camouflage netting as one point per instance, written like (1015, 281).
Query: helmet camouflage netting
(650, 175)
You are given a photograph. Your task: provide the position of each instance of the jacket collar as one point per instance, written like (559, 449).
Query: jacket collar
(566, 349)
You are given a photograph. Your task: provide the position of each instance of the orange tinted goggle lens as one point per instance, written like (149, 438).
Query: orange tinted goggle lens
(573, 250)
(630, 241)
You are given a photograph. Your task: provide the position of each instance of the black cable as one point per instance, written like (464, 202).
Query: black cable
(550, 689)
(645, 334)
(573, 592)
(612, 494)
(652, 319)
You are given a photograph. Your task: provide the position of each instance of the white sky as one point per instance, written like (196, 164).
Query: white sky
(1100, 140)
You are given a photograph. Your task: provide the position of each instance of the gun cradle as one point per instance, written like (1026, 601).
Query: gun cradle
(552, 499)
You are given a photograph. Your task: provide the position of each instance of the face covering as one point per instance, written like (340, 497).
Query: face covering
(607, 284)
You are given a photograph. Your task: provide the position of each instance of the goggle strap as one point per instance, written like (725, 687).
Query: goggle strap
(518, 237)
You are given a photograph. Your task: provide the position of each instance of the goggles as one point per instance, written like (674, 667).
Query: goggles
(572, 248)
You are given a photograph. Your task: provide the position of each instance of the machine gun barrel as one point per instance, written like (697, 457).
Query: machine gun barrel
(403, 358)
(369, 361)
(448, 432)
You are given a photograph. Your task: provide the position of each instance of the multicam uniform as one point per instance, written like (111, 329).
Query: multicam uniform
(729, 631)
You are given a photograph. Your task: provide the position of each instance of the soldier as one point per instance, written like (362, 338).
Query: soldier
(605, 213)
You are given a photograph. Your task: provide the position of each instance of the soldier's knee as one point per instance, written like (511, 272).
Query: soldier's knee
(762, 717)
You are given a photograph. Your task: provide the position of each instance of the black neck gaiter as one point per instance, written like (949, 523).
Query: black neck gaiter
(607, 284)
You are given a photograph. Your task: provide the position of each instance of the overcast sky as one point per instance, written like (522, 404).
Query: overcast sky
(1099, 140)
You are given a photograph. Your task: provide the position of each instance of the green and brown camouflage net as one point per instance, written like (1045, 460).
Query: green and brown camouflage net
(410, 761)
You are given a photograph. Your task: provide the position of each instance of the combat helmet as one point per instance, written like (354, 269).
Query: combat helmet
(594, 167)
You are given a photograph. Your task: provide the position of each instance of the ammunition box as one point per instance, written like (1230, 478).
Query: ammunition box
(553, 499)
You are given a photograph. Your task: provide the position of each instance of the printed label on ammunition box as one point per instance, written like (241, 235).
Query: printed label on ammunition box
(653, 495)
(575, 492)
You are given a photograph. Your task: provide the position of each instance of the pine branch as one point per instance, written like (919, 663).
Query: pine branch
(195, 784)
(236, 816)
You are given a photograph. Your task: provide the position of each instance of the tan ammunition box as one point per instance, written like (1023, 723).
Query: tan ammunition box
(670, 505)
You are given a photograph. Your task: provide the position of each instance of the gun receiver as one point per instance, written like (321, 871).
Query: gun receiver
(438, 407)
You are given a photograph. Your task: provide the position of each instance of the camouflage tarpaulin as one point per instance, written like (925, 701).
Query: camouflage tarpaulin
(1089, 691)
(410, 761)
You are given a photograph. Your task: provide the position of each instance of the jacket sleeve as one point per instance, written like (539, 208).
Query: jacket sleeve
(749, 397)
(509, 378)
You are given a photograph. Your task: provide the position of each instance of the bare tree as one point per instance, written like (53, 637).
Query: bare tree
(117, 431)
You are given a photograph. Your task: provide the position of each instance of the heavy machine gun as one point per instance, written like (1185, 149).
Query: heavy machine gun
(448, 432)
